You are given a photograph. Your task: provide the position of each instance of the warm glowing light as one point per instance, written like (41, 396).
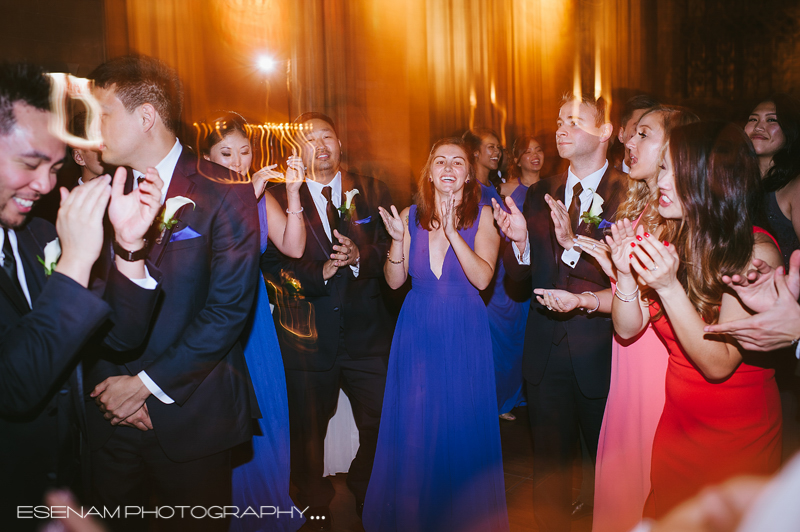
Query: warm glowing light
(473, 103)
(598, 84)
(266, 63)
(65, 86)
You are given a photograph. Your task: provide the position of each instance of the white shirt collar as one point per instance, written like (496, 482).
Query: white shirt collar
(165, 169)
(591, 181)
(336, 190)
(625, 168)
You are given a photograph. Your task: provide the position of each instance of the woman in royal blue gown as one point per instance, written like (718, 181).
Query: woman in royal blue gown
(261, 472)
(438, 466)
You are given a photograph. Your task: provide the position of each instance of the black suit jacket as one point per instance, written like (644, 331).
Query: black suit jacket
(589, 335)
(40, 399)
(192, 351)
(310, 315)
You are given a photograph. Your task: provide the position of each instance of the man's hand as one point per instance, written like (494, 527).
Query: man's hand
(561, 222)
(512, 223)
(133, 214)
(120, 397)
(139, 419)
(346, 252)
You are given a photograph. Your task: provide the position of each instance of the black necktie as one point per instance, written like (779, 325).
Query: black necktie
(330, 210)
(139, 180)
(9, 263)
(575, 206)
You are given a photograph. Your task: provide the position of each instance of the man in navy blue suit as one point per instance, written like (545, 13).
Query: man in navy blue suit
(190, 373)
(48, 314)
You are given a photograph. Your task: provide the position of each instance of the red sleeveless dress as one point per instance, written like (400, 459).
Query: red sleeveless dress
(708, 431)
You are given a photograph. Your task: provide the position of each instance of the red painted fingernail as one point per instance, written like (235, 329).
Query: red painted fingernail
(647, 235)
(633, 244)
(639, 238)
(630, 256)
(666, 244)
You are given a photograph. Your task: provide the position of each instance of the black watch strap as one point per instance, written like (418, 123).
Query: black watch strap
(130, 256)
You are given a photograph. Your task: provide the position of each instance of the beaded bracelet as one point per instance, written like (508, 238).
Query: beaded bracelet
(296, 213)
(598, 302)
(395, 261)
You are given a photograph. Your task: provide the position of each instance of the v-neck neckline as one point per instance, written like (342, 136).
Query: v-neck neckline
(430, 265)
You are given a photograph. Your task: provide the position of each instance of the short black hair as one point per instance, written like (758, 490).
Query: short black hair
(637, 103)
(311, 115)
(21, 82)
(140, 79)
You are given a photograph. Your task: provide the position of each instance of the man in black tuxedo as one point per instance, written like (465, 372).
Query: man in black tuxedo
(567, 357)
(47, 316)
(339, 281)
(190, 375)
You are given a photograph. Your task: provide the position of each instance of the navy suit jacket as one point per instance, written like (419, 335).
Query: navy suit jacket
(589, 334)
(310, 315)
(40, 401)
(209, 265)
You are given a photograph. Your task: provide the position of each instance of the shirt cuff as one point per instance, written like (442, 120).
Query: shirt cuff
(154, 389)
(570, 257)
(524, 258)
(148, 283)
(355, 269)
(797, 352)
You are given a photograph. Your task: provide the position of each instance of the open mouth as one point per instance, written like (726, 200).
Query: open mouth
(448, 179)
(24, 204)
(664, 200)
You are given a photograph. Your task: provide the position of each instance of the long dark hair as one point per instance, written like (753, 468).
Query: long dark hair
(717, 180)
(786, 162)
(216, 129)
(520, 147)
(428, 211)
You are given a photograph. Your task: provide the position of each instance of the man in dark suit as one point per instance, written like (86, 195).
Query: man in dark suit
(567, 357)
(349, 328)
(190, 374)
(47, 316)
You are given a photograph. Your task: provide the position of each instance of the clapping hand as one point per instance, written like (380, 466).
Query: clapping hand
(261, 177)
(511, 223)
(599, 250)
(619, 244)
(655, 263)
(561, 222)
(393, 222)
(557, 300)
(447, 212)
(295, 173)
(132, 214)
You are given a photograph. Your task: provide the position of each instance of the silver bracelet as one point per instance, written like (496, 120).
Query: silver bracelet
(296, 213)
(623, 294)
(598, 302)
(626, 298)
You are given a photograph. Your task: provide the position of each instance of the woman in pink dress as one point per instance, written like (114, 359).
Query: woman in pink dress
(638, 365)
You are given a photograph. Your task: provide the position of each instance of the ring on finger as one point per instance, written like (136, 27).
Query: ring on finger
(654, 268)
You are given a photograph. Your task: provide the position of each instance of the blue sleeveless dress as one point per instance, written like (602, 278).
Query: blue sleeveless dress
(438, 465)
(263, 481)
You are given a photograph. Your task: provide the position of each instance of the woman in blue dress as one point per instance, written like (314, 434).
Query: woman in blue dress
(261, 471)
(438, 466)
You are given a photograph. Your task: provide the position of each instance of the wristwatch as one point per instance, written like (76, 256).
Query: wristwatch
(130, 256)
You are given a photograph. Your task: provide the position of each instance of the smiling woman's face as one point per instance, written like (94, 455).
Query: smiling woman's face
(449, 169)
(764, 130)
(488, 155)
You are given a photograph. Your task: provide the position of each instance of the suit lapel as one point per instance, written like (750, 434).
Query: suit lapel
(180, 185)
(350, 183)
(314, 222)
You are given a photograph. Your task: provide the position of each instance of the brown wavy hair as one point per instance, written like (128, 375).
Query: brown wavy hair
(520, 146)
(427, 210)
(640, 198)
(717, 179)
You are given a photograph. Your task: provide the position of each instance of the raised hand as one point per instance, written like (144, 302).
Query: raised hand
(561, 222)
(619, 244)
(261, 178)
(656, 263)
(600, 251)
(295, 173)
(512, 223)
(557, 300)
(133, 214)
(393, 222)
(80, 228)
(447, 213)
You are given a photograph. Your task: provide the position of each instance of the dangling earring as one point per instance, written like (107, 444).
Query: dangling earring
(467, 180)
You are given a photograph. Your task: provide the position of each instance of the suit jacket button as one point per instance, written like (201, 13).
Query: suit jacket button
(336, 309)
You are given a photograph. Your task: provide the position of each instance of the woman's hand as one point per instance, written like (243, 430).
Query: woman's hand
(448, 216)
(511, 223)
(600, 251)
(295, 174)
(656, 263)
(261, 177)
(557, 300)
(393, 222)
(619, 244)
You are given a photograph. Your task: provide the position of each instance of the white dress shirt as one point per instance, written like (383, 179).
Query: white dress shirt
(570, 257)
(12, 237)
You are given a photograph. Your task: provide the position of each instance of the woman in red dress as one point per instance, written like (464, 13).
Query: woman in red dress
(722, 415)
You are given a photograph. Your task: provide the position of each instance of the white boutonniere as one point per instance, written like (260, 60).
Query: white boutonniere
(52, 252)
(592, 216)
(347, 208)
(167, 218)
